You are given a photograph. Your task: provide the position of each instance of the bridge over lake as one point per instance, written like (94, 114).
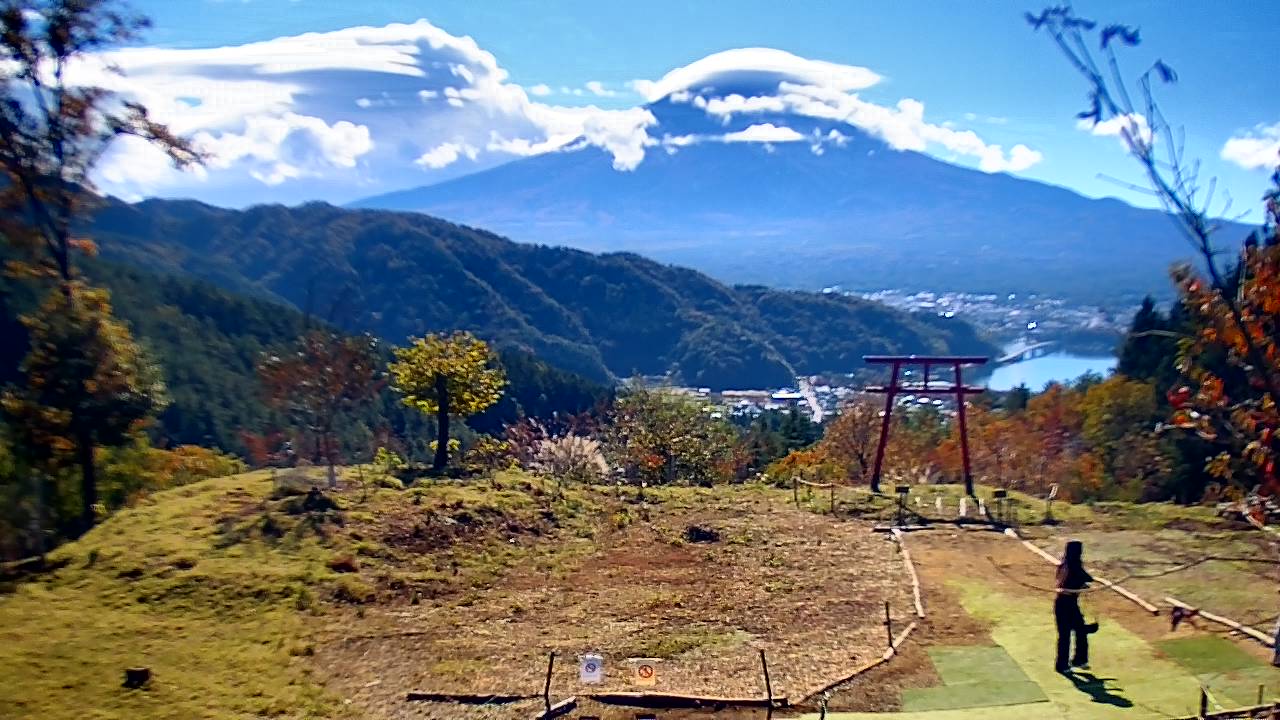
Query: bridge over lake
(1026, 351)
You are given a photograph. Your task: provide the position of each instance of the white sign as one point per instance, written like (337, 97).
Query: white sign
(591, 669)
(646, 672)
(964, 507)
(1053, 491)
(982, 507)
(937, 504)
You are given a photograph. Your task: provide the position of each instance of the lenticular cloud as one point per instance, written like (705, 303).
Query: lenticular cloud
(354, 112)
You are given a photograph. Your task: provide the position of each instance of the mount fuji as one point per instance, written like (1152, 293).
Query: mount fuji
(777, 173)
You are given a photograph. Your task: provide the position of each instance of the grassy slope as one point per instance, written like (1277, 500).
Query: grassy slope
(223, 591)
(156, 585)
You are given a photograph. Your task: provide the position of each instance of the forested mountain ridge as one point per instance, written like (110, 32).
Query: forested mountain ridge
(603, 316)
(208, 343)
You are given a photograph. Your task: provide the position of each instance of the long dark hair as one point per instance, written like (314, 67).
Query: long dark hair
(1071, 573)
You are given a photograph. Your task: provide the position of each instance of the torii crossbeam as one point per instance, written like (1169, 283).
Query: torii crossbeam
(944, 386)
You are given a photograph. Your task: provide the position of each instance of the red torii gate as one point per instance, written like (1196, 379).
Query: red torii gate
(923, 387)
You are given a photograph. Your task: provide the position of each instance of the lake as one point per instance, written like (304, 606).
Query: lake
(1038, 372)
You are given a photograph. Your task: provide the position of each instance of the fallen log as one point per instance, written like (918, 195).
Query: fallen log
(950, 524)
(672, 700)
(888, 655)
(911, 570)
(1241, 628)
(1122, 592)
(897, 642)
(466, 698)
(847, 678)
(561, 708)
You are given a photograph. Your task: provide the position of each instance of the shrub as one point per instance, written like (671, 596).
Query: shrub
(487, 453)
(388, 461)
(571, 458)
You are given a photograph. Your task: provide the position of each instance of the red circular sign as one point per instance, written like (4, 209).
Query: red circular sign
(645, 671)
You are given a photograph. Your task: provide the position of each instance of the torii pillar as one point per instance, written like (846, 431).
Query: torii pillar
(924, 387)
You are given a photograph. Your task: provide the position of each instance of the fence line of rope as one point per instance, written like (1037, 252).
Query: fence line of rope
(1101, 581)
(1235, 626)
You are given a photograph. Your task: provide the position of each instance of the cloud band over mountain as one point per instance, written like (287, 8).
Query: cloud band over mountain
(341, 114)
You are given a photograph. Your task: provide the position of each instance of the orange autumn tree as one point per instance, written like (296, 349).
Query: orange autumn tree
(1232, 363)
(1230, 360)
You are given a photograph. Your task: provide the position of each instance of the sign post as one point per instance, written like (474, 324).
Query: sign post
(591, 669)
(646, 672)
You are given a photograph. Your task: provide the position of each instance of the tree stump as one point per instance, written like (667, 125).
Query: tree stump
(136, 677)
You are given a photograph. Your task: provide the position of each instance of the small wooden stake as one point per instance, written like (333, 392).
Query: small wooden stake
(768, 687)
(833, 498)
(1261, 691)
(546, 689)
(795, 490)
(888, 623)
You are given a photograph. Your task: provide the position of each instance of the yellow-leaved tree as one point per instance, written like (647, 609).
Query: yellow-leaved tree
(447, 375)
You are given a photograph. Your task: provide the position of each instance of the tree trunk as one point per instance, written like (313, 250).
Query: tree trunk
(88, 481)
(442, 425)
(328, 456)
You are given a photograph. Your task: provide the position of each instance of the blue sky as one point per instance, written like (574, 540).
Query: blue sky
(974, 66)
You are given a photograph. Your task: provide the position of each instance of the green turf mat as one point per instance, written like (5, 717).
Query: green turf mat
(1238, 688)
(973, 676)
(974, 664)
(972, 695)
(1205, 654)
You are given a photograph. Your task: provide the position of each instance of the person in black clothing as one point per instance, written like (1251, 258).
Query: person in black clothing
(1072, 580)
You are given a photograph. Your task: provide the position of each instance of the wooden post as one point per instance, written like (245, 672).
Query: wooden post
(884, 428)
(888, 623)
(768, 686)
(833, 498)
(964, 433)
(546, 689)
(1261, 691)
(795, 490)
(1204, 702)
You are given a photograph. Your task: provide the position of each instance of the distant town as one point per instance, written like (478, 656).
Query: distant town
(1011, 318)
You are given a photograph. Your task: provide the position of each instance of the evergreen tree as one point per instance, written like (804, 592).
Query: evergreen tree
(87, 384)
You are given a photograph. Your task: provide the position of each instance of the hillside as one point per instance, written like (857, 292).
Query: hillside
(245, 600)
(208, 342)
(829, 205)
(601, 316)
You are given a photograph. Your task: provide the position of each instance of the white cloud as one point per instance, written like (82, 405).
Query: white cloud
(1134, 125)
(353, 109)
(775, 65)
(764, 133)
(279, 148)
(903, 126)
(1258, 149)
(597, 88)
(622, 133)
(446, 154)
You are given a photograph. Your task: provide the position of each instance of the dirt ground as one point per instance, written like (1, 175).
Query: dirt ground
(807, 589)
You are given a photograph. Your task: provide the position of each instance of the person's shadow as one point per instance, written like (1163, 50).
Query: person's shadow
(1096, 688)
